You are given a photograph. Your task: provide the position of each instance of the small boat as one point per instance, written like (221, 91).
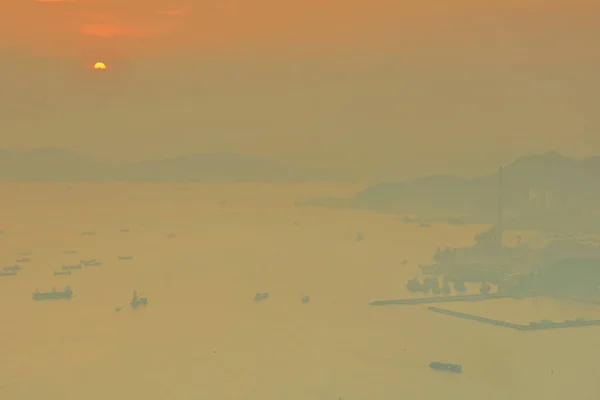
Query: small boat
(88, 233)
(27, 253)
(12, 268)
(439, 366)
(53, 295)
(138, 301)
(90, 263)
(70, 252)
(125, 258)
(71, 267)
(125, 230)
(261, 296)
(8, 273)
(93, 264)
(24, 260)
(59, 273)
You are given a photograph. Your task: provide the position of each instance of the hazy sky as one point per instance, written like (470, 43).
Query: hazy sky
(385, 87)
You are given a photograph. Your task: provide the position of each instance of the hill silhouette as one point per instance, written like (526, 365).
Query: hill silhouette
(55, 164)
(570, 190)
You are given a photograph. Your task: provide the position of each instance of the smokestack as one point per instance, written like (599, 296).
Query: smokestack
(499, 228)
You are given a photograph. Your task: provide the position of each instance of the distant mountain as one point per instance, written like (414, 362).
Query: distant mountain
(52, 164)
(571, 187)
(224, 167)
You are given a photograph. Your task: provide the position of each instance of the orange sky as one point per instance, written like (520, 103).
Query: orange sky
(113, 28)
(293, 79)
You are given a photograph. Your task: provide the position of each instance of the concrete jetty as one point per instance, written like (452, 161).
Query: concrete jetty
(532, 326)
(441, 299)
(575, 299)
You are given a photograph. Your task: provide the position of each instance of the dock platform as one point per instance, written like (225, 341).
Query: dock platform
(441, 299)
(532, 326)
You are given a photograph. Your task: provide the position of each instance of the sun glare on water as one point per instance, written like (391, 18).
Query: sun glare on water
(99, 65)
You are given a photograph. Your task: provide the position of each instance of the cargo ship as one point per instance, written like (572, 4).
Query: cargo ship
(439, 366)
(8, 273)
(53, 295)
(12, 268)
(59, 273)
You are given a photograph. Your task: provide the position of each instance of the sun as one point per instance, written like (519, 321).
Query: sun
(99, 65)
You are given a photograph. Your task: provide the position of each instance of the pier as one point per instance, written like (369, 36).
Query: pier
(532, 326)
(441, 299)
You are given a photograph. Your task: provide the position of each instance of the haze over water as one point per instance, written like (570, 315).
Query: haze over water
(203, 336)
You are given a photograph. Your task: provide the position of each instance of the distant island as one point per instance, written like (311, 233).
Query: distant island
(543, 192)
(61, 165)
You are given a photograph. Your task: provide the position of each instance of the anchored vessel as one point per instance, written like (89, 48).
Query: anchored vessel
(67, 293)
(439, 366)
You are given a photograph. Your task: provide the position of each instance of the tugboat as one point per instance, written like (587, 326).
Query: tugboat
(53, 295)
(413, 285)
(431, 284)
(439, 366)
(460, 287)
(446, 288)
(261, 296)
(138, 301)
(485, 288)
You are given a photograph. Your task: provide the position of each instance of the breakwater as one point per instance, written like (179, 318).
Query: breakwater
(441, 299)
(532, 326)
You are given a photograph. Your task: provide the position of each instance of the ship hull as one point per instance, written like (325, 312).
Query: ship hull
(51, 296)
(438, 366)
